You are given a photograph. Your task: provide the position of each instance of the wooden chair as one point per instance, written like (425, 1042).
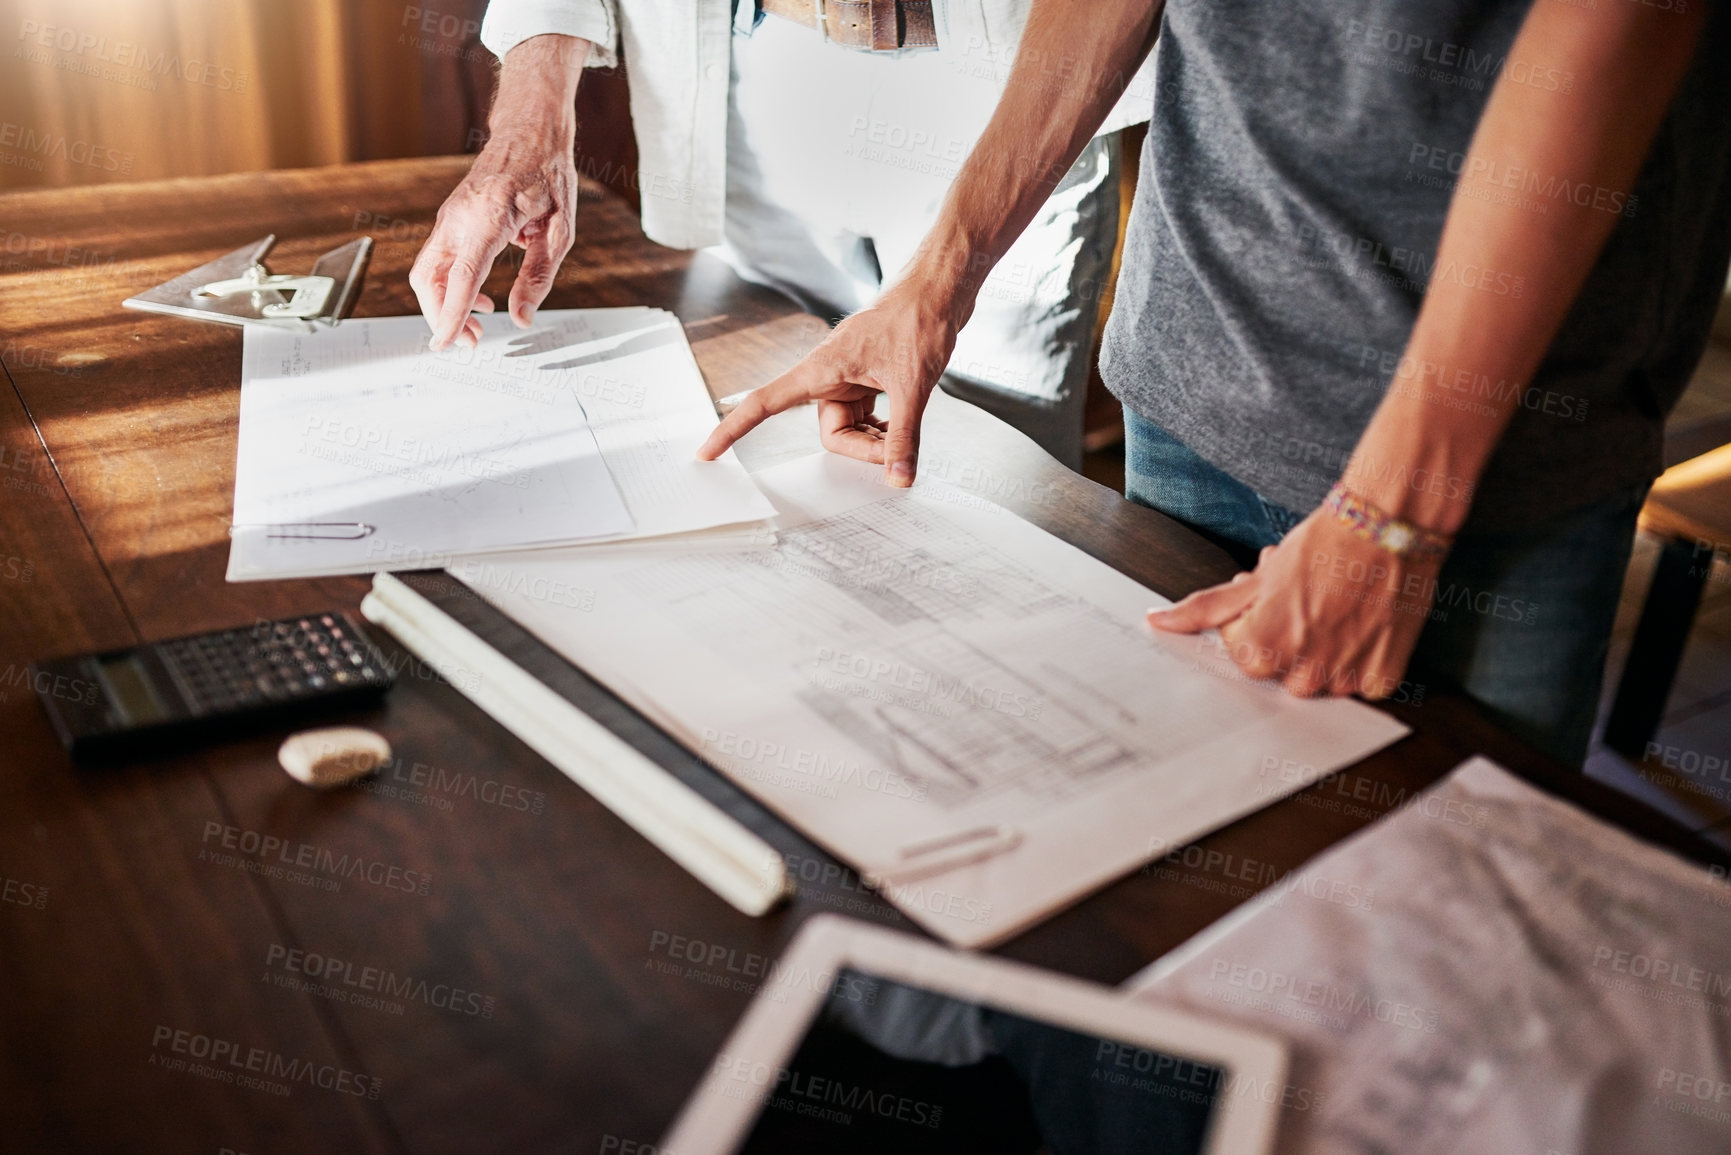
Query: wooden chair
(1689, 508)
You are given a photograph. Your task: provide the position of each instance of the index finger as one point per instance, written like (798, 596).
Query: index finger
(798, 385)
(427, 278)
(468, 268)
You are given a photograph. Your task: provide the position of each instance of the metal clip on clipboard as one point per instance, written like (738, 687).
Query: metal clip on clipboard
(238, 289)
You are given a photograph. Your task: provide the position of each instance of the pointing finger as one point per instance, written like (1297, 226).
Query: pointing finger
(804, 382)
(902, 442)
(468, 268)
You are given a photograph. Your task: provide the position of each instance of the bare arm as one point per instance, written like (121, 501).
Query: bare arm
(1069, 71)
(1579, 101)
(1622, 64)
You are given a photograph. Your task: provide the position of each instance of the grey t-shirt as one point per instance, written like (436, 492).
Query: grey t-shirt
(1292, 192)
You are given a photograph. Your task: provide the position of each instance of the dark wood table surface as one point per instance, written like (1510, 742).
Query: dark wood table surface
(528, 934)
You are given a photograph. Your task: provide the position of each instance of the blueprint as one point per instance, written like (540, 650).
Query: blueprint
(955, 702)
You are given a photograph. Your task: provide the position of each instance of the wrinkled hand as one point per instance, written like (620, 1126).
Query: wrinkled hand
(899, 346)
(1325, 611)
(522, 190)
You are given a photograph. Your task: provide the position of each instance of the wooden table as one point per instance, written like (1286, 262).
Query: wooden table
(533, 1008)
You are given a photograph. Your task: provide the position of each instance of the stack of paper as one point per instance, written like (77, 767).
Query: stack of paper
(361, 450)
(1487, 969)
(965, 708)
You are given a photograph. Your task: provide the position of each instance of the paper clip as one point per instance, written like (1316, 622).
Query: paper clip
(341, 530)
(922, 859)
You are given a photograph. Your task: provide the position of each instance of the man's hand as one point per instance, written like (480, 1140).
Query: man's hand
(1325, 612)
(899, 346)
(521, 190)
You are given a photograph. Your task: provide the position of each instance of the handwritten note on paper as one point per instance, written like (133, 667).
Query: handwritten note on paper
(362, 450)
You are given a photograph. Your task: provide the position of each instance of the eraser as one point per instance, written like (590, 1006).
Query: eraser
(334, 756)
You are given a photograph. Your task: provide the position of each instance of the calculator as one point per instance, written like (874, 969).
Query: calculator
(124, 701)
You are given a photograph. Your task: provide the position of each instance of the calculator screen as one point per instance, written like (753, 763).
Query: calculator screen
(129, 689)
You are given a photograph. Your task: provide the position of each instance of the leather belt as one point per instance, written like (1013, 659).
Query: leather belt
(868, 25)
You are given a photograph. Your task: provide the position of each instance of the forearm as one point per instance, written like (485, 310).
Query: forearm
(1069, 70)
(538, 89)
(1506, 274)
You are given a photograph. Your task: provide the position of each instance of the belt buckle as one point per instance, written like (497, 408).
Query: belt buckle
(821, 17)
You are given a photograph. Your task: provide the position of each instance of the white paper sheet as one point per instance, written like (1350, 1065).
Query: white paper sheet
(900, 668)
(579, 429)
(650, 410)
(1486, 969)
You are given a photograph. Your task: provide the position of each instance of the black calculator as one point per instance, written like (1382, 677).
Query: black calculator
(112, 704)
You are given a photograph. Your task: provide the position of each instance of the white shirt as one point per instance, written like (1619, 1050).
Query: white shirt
(680, 63)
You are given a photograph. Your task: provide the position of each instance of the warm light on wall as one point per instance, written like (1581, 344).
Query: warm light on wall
(103, 90)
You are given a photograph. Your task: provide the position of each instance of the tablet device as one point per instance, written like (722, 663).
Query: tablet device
(868, 1040)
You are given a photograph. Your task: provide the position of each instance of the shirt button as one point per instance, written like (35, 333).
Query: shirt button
(711, 71)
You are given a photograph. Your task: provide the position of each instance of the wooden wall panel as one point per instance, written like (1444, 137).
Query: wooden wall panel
(97, 91)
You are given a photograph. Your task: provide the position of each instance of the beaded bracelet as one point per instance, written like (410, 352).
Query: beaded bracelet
(1371, 523)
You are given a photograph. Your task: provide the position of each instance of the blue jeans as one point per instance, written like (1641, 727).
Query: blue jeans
(1522, 620)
